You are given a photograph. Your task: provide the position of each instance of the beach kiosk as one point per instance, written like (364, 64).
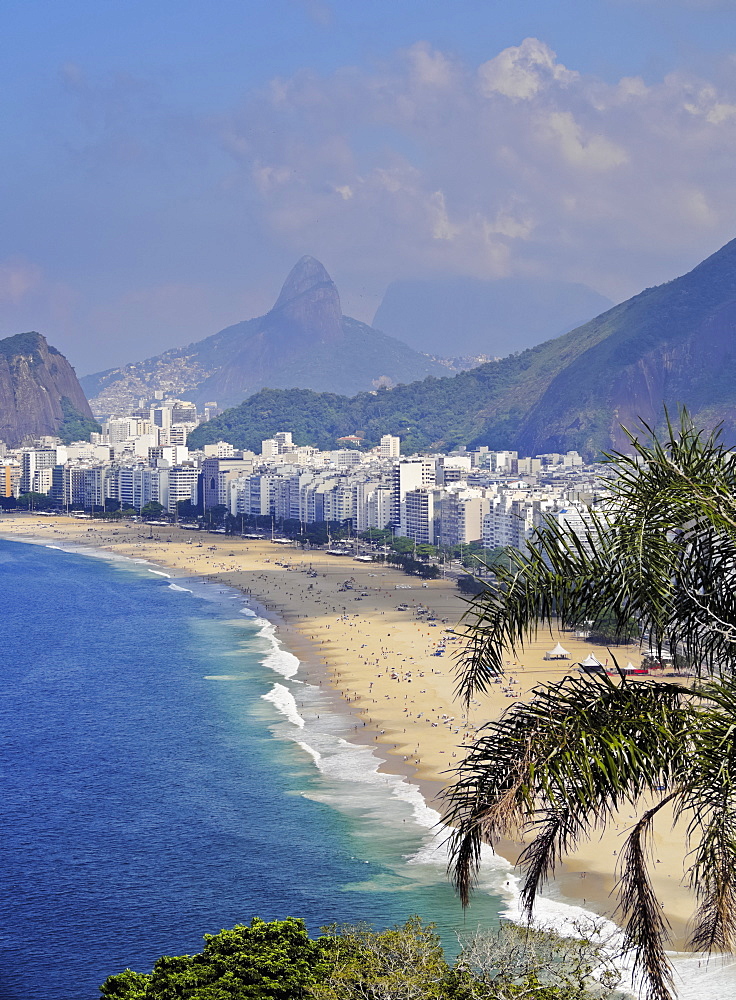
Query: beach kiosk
(558, 653)
(591, 665)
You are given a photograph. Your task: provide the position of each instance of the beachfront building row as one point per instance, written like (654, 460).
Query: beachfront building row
(494, 496)
(133, 486)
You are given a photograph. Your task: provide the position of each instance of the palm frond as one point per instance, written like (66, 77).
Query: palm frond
(662, 551)
(560, 765)
(709, 804)
(645, 926)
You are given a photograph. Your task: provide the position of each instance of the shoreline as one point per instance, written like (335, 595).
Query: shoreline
(340, 634)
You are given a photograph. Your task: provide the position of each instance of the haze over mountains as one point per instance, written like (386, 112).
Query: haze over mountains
(467, 316)
(673, 344)
(304, 341)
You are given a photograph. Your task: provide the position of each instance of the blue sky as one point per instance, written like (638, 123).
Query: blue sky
(165, 164)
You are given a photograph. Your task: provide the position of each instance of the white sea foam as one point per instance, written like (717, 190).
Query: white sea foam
(160, 572)
(249, 612)
(175, 586)
(697, 978)
(423, 813)
(352, 765)
(278, 659)
(283, 700)
(314, 754)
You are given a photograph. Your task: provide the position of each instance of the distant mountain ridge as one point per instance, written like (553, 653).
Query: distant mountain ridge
(39, 391)
(494, 317)
(672, 344)
(303, 341)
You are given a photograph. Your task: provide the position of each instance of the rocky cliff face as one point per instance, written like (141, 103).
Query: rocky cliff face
(35, 379)
(303, 342)
(670, 345)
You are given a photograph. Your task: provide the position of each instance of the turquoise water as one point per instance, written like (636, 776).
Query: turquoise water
(166, 774)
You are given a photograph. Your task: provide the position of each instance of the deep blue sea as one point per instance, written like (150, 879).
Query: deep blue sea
(165, 773)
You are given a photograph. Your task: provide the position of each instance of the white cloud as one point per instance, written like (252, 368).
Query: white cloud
(694, 208)
(442, 228)
(424, 165)
(430, 67)
(594, 152)
(521, 71)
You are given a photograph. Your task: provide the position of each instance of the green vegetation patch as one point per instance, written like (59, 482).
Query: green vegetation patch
(76, 426)
(279, 961)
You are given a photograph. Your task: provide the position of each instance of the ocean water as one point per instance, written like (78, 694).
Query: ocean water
(166, 773)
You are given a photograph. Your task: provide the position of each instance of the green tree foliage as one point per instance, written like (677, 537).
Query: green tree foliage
(75, 426)
(435, 412)
(34, 501)
(405, 962)
(215, 516)
(468, 584)
(278, 961)
(260, 961)
(152, 509)
(187, 510)
(414, 567)
(564, 763)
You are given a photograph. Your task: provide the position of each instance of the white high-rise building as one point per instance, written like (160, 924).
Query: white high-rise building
(412, 474)
(390, 446)
(36, 468)
(378, 508)
(461, 514)
(182, 485)
(419, 513)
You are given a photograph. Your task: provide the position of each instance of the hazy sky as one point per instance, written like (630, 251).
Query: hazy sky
(165, 163)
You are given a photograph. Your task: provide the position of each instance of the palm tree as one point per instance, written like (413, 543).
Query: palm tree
(662, 551)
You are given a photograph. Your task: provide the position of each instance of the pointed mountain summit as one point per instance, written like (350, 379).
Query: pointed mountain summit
(304, 341)
(308, 304)
(307, 275)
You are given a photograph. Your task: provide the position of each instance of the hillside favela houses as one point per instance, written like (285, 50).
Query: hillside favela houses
(141, 462)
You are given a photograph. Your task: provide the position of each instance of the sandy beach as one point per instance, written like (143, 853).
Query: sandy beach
(383, 642)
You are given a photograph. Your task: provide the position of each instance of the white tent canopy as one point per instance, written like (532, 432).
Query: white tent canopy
(558, 653)
(591, 661)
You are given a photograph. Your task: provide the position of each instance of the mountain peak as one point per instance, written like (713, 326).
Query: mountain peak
(308, 308)
(306, 275)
